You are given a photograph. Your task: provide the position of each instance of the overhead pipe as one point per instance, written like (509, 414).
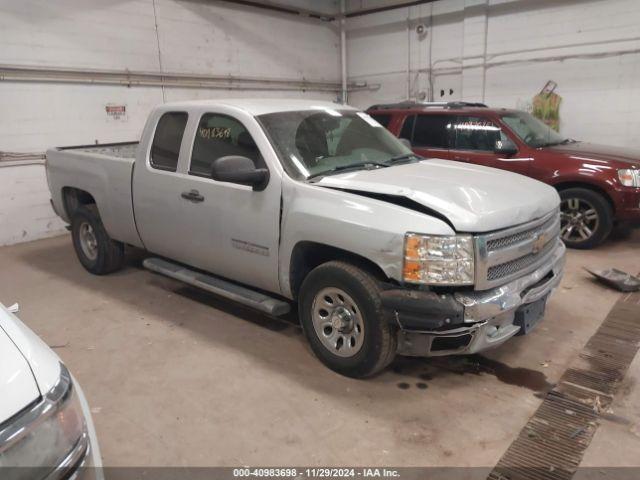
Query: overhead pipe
(459, 60)
(370, 11)
(557, 58)
(276, 7)
(24, 73)
(538, 49)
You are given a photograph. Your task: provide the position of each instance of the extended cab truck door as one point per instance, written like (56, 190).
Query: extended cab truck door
(156, 184)
(473, 140)
(224, 228)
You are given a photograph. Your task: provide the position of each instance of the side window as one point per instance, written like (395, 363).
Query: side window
(219, 136)
(476, 133)
(407, 128)
(382, 118)
(165, 148)
(432, 131)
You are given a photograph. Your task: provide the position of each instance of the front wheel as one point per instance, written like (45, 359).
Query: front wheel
(343, 319)
(586, 218)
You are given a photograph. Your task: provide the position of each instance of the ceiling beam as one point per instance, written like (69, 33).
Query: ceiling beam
(393, 6)
(325, 17)
(280, 8)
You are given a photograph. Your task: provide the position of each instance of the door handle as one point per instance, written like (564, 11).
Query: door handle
(192, 196)
(460, 159)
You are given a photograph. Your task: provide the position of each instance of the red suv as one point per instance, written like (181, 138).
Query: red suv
(599, 185)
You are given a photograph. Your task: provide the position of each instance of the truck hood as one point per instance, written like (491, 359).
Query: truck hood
(473, 198)
(599, 153)
(17, 383)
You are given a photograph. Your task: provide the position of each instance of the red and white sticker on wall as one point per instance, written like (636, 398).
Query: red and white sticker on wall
(116, 112)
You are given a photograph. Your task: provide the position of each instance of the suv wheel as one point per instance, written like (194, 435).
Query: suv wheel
(343, 319)
(586, 218)
(97, 252)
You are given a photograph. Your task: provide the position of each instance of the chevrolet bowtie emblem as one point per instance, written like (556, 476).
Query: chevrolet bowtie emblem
(539, 243)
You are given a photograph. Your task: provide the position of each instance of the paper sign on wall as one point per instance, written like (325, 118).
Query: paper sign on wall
(117, 113)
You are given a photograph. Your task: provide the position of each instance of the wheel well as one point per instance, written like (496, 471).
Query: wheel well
(74, 197)
(586, 186)
(308, 255)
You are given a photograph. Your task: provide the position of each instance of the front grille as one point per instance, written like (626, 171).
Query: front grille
(509, 268)
(507, 254)
(507, 241)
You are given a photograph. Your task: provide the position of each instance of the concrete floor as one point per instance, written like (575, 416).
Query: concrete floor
(177, 377)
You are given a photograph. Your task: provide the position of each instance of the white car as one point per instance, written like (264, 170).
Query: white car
(46, 429)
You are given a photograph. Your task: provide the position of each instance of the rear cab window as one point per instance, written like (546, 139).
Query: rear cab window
(217, 136)
(165, 148)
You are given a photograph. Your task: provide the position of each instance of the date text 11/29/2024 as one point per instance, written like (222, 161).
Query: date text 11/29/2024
(316, 472)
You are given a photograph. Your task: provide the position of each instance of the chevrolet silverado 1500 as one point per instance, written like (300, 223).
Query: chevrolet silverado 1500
(270, 202)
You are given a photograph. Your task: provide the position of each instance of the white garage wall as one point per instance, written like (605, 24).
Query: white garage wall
(384, 50)
(25, 211)
(194, 37)
(462, 54)
(597, 67)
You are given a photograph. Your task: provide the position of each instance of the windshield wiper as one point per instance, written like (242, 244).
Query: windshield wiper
(353, 166)
(403, 157)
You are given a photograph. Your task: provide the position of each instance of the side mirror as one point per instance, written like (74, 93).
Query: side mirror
(505, 147)
(405, 142)
(241, 170)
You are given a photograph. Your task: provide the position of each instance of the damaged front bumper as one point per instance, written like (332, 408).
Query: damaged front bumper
(433, 324)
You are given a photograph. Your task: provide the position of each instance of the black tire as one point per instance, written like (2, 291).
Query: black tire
(601, 211)
(108, 254)
(378, 343)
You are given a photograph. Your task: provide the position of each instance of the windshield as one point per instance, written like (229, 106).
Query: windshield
(531, 130)
(316, 142)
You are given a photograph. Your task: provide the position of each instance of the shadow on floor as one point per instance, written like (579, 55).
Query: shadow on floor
(144, 290)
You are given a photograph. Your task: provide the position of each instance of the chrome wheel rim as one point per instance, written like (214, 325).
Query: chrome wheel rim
(337, 321)
(88, 241)
(579, 220)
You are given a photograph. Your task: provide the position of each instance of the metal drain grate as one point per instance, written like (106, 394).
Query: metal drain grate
(552, 443)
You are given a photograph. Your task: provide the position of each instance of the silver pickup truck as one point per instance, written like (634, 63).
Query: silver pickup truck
(274, 202)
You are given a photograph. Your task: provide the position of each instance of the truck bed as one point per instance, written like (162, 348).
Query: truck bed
(118, 150)
(104, 172)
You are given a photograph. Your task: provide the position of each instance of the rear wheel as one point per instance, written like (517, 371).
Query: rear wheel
(343, 319)
(97, 252)
(586, 218)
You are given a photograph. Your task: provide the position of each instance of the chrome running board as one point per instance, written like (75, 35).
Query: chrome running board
(218, 286)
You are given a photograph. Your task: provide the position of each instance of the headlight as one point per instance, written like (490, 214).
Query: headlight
(43, 436)
(438, 260)
(629, 177)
